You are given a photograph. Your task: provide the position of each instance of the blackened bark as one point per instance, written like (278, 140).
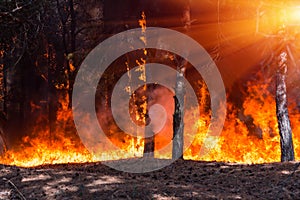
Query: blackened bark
(285, 131)
(3, 144)
(52, 104)
(63, 20)
(5, 89)
(149, 145)
(178, 124)
(73, 49)
(73, 26)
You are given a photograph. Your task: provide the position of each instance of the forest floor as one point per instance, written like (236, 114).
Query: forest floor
(180, 180)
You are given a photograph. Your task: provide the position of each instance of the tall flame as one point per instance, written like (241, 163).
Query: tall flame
(237, 143)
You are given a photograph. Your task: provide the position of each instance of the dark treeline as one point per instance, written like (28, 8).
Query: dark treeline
(42, 44)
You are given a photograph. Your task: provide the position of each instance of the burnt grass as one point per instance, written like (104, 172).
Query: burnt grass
(180, 180)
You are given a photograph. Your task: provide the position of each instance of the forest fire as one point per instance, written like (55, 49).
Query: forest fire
(250, 133)
(236, 142)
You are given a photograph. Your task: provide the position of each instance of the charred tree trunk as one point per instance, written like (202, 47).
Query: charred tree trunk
(3, 119)
(73, 26)
(67, 19)
(178, 124)
(285, 131)
(73, 49)
(5, 89)
(52, 96)
(149, 145)
(3, 144)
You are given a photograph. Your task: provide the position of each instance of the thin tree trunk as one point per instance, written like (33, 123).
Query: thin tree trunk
(3, 143)
(285, 131)
(5, 89)
(3, 118)
(149, 145)
(73, 26)
(64, 28)
(178, 124)
(52, 105)
(73, 48)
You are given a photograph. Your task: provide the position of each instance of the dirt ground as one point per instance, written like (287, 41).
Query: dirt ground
(180, 180)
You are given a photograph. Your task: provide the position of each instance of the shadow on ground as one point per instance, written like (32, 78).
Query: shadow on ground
(180, 180)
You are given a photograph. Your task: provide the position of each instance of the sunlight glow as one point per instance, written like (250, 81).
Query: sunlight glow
(293, 16)
(272, 19)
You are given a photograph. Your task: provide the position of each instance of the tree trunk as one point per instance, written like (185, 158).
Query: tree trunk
(149, 145)
(285, 131)
(178, 124)
(73, 26)
(3, 144)
(52, 102)
(5, 89)
(73, 49)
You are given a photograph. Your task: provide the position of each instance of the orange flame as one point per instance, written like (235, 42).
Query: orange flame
(236, 143)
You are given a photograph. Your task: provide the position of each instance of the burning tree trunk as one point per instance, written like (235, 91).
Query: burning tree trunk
(286, 141)
(178, 125)
(67, 17)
